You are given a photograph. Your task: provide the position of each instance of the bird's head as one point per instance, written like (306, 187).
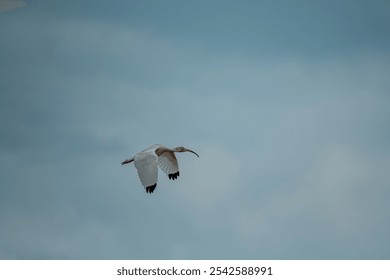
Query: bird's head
(182, 149)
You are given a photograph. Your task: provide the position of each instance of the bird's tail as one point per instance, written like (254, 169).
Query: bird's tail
(127, 161)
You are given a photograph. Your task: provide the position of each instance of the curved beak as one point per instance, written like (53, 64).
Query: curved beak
(192, 152)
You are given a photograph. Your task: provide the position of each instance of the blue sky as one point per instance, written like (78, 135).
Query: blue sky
(286, 102)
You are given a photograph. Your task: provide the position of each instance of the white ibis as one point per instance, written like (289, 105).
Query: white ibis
(147, 161)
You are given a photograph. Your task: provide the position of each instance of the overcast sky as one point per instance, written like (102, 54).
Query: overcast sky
(286, 102)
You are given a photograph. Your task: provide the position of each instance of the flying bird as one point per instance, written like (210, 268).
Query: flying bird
(147, 161)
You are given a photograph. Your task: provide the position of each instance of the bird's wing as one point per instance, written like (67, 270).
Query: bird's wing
(168, 163)
(146, 164)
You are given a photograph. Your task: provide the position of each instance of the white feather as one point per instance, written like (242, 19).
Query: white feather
(146, 164)
(168, 163)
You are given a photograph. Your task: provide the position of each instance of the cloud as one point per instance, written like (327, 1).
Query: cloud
(336, 203)
(289, 147)
(9, 5)
(209, 180)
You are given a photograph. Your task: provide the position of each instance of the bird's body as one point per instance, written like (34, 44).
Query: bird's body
(155, 156)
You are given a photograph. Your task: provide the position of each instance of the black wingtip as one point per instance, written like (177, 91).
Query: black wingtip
(174, 176)
(151, 188)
